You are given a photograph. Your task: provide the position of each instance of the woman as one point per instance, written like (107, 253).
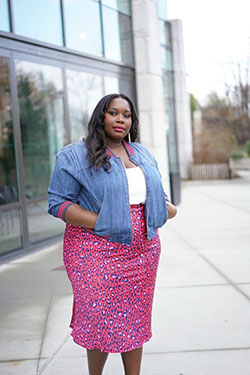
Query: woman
(109, 192)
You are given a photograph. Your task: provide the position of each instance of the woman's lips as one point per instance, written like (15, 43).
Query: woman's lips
(118, 129)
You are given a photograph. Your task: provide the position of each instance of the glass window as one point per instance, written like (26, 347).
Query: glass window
(111, 34)
(10, 231)
(121, 5)
(168, 34)
(40, 94)
(40, 19)
(123, 85)
(162, 32)
(4, 16)
(84, 91)
(170, 121)
(8, 173)
(117, 36)
(168, 84)
(165, 33)
(83, 26)
(166, 102)
(166, 59)
(162, 9)
(111, 85)
(125, 25)
(127, 87)
(41, 224)
(172, 140)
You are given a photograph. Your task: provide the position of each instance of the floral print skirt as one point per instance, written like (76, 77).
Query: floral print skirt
(113, 286)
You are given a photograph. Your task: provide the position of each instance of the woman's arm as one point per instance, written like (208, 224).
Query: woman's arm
(64, 191)
(172, 210)
(78, 216)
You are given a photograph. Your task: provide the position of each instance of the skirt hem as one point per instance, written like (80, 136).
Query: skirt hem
(102, 349)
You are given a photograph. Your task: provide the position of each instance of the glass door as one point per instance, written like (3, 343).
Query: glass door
(41, 114)
(10, 223)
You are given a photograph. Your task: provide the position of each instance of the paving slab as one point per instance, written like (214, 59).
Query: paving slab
(21, 367)
(200, 318)
(234, 263)
(22, 332)
(180, 268)
(245, 288)
(57, 324)
(221, 239)
(231, 362)
(71, 349)
(67, 366)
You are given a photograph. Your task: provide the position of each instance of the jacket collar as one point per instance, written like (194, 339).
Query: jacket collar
(127, 146)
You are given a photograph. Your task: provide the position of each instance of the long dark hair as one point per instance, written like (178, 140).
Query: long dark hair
(96, 139)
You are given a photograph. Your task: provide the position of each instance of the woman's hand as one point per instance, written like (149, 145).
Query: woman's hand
(172, 210)
(78, 216)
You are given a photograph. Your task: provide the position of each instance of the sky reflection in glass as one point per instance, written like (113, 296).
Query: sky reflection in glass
(83, 26)
(33, 20)
(4, 16)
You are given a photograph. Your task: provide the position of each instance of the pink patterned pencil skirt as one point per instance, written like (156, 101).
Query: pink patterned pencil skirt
(113, 286)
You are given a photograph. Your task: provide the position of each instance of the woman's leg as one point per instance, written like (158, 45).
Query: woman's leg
(96, 361)
(132, 361)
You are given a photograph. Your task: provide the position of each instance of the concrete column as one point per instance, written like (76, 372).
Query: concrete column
(182, 107)
(149, 85)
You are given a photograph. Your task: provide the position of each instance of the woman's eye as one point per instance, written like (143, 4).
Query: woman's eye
(112, 113)
(127, 116)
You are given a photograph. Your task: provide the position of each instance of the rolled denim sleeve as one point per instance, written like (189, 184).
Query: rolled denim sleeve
(64, 187)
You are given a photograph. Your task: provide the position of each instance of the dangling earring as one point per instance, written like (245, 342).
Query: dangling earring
(129, 137)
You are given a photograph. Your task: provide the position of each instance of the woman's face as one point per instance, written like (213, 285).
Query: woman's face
(117, 121)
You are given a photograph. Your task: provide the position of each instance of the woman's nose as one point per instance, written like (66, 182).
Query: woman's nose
(119, 118)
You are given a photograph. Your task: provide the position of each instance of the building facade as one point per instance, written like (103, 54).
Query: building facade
(57, 59)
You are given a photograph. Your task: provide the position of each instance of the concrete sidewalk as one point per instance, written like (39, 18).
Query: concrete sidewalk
(201, 318)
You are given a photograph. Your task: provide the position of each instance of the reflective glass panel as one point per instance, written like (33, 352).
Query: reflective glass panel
(117, 36)
(4, 16)
(40, 19)
(126, 86)
(83, 26)
(162, 32)
(168, 84)
(40, 94)
(168, 34)
(165, 33)
(166, 102)
(172, 140)
(84, 92)
(121, 5)
(111, 85)
(123, 84)
(125, 25)
(170, 121)
(166, 59)
(41, 224)
(111, 34)
(8, 173)
(162, 9)
(10, 231)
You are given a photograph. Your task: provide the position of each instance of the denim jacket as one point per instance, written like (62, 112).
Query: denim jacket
(106, 193)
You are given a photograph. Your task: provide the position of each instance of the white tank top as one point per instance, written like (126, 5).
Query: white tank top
(136, 185)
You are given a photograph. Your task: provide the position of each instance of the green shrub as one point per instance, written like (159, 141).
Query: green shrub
(247, 147)
(237, 155)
